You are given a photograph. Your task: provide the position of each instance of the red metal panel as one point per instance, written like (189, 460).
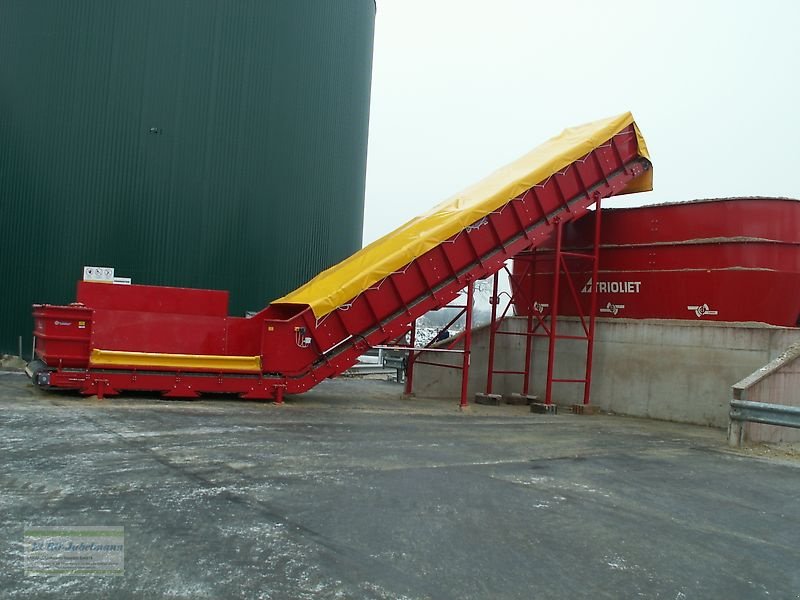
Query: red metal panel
(243, 336)
(144, 318)
(285, 342)
(154, 299)
(63, 334)
(720, 295)
(134, 331)
(179, 385)
(777, 256)
(775, 219)
(650, 267)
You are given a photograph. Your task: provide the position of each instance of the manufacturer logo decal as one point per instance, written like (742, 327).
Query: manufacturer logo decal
(702, 310)
(539, 308)
(612, 308)
(614, 287)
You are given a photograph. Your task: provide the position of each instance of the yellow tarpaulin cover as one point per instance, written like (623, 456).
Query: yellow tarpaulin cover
(343, 282)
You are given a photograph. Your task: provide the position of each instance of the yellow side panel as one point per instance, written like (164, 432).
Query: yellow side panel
(346, 280)
(189, 362)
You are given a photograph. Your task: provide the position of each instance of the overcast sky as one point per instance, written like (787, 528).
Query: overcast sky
(461, 87)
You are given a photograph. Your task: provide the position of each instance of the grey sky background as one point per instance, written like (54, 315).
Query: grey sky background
(460, 88)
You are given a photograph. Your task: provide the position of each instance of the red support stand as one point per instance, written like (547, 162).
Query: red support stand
(560, 265)
(541, 320)
(517, 291)
(466, 335)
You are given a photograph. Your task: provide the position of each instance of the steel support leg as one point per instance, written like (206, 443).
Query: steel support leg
(551, 353)
(593, 303)
(492, 333)
(528, 352)
(410, 363)
(467, 344)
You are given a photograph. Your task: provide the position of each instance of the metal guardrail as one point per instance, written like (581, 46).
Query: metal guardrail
(763, 412)
(744, 410)
(398, 363)
(760, 412)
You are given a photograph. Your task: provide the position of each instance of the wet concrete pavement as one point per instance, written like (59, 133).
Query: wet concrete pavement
(351, 491)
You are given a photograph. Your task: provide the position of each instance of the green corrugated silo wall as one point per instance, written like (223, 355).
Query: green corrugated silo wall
(202, 143)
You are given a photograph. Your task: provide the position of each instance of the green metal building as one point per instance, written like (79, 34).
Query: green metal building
(202, 143)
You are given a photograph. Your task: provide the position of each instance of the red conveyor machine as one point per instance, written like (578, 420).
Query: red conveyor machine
(182, 343)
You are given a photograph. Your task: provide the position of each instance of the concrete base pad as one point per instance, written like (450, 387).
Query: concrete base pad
(584, 409)
(520, 399)
(488, 399)
(544, 409)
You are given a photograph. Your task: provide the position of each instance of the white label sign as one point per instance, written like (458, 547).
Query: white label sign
(98, 274)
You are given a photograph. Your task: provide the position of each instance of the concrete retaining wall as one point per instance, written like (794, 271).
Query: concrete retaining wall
(661, 369)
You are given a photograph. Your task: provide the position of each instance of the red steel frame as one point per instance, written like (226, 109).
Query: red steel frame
(297, 350)
(561, 265)
(466, 353)
(547, 320)
(494, 331)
